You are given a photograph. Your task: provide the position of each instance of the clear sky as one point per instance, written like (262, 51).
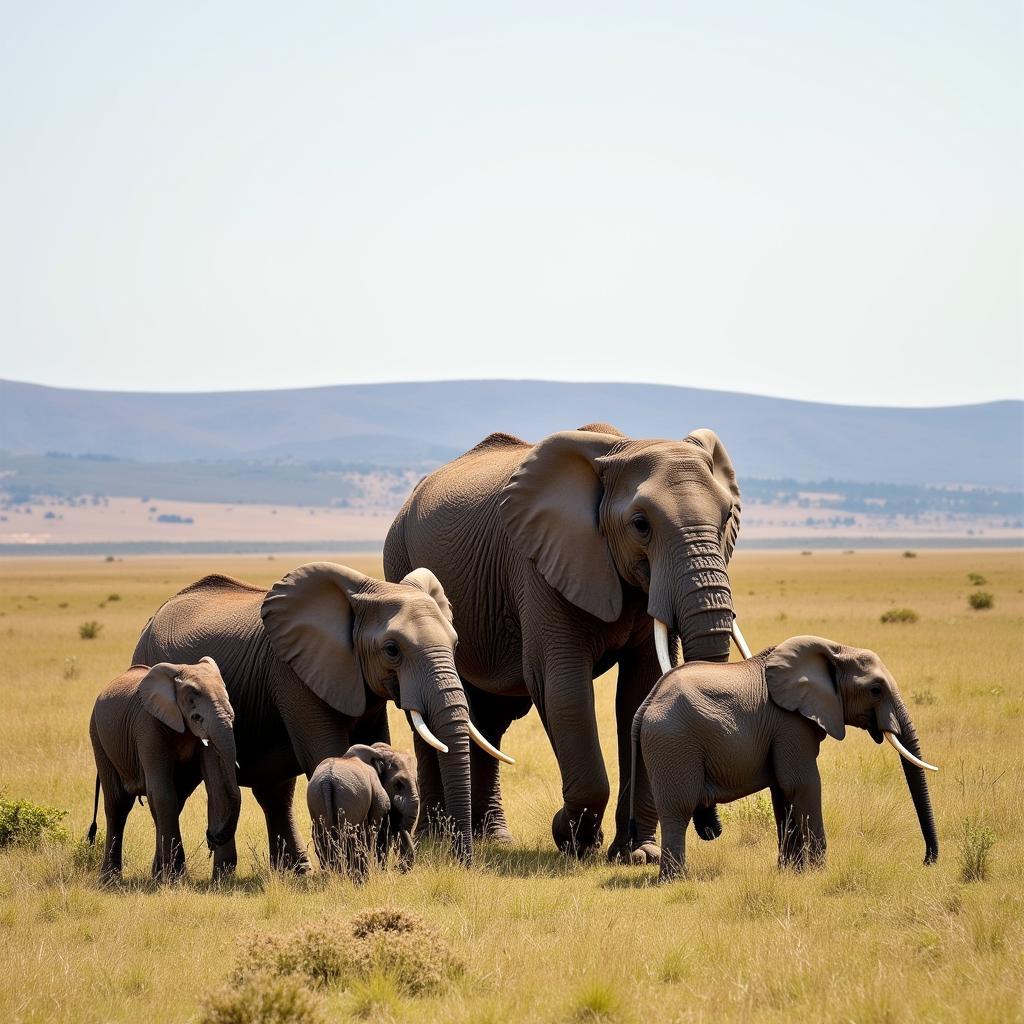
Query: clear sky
(812, 200)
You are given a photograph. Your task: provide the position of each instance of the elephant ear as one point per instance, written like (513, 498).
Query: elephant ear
(373, 756)
(309, 617)
(721, 468)
(800, 677)
(159, 695)
(550, 509)
(425, 580)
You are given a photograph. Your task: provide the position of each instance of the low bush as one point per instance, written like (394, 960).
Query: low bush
(90, 630)
(976, 579)
(23, 823)
(910, 554)
(975, 850)
(263, 999)
(981, 599)
(905, 615)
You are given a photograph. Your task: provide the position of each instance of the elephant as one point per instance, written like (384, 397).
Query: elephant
(368, 798)
(561, 559)
(156, 732)
(715, 733)
(310, 665)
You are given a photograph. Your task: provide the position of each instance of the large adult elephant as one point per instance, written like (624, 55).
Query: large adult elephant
(561, 558)
(310, 665)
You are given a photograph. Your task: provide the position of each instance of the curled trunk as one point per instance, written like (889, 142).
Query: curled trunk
(917, 783)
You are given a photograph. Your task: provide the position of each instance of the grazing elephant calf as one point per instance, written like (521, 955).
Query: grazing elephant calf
(711, 733)
(367, 798)
(156, 732)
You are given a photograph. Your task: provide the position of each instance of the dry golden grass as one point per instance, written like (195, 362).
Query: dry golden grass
(874, 936)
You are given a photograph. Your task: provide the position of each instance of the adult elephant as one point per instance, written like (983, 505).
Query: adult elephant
(310, 665)
(561, 558)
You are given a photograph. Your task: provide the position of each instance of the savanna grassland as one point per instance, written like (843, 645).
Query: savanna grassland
(873, 936)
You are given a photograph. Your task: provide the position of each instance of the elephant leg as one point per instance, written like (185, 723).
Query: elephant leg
(492, 714)
(169, 858)
(428, 779)
(117, 805)
(673, 846)
(638, 671)
(566, 707)
(287, 851)
(372, 727)
(799, 822)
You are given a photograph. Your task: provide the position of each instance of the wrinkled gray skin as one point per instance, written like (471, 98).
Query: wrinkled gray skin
(366, 800)
(715, 733)
(555, 557)
(147, 728)
(310, 665)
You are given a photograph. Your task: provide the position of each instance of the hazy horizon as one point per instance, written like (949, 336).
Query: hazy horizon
(820, 204)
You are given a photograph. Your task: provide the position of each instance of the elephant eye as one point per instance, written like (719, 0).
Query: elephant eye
(640, 524)
(391, 650)
(876, 690)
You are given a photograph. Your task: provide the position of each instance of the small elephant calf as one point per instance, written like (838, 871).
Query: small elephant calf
(711, 733)
(156, 732)
(366, 799)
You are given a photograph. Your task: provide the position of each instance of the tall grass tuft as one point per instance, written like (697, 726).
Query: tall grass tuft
(980, 600)
(90, 630)
(596, 1000)
(975, 850)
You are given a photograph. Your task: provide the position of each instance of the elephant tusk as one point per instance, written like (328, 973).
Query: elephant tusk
(661, 646)
(482, 742)
(738, 637)
(205, 742)
(906, 754)
(425, 734)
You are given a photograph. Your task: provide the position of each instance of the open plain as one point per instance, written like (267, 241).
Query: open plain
(873, 936)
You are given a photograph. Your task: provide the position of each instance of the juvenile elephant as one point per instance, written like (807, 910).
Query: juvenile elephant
(156, 732)
(714, 733)
(310, 665)
(366, 800)
(561, 559)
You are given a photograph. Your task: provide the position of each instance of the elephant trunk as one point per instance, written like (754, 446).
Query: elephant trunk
(440, 695)
(692, 596)
(224, 798)
(917, 783)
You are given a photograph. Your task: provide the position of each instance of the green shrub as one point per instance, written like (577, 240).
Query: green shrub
(90, 630)
(23, 823)
(976, 842)
(596, 1000)
(263, 999)
(976, 579)
(910, 554)
(980, 599)
(899, 615)
(113, 597)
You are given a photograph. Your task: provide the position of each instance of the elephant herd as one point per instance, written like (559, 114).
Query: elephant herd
(515, 575)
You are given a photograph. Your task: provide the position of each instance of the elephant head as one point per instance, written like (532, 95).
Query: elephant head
(343, 632)
(595, 511)
(397, 774)
(835, 686)
(194, 697)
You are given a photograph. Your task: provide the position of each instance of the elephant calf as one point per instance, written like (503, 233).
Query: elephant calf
(368, 798)
(156, 732)
(712, 733)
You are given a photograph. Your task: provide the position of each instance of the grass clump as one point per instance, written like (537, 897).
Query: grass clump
(976, 579)
(910, 554)
(263, 999)
(23, 823)
(924, 698)
(113, 597)
(901, 615)
(596, 1000)
(976, 842)
(980, 599)
(379, 941)
(90, 630)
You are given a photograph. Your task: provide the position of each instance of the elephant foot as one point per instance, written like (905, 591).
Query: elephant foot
(577, 836)
(494, 828)
(621, 852)
(706, 823)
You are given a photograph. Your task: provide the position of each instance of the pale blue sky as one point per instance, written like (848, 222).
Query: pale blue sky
(808, 200)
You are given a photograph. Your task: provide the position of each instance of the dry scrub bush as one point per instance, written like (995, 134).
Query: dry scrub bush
(382, 941)
(980, 600)
(263, 999)
(976, 842)
(899, 615)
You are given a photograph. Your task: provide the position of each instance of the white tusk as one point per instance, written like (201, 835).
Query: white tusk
(425, 734)
(481, 741)
(740, 642)
(205, 742)
(661, 646)
(904, 753)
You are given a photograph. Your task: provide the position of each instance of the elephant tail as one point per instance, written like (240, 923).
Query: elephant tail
(95, 812)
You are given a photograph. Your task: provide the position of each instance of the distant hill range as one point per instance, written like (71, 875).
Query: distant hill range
(416, 425)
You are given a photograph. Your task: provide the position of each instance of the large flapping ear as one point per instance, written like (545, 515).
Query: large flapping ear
(550, 508)
(158, 691)
(425, 580)
(374, 756)
(800, 673)
(309, 617)
(721, 467)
